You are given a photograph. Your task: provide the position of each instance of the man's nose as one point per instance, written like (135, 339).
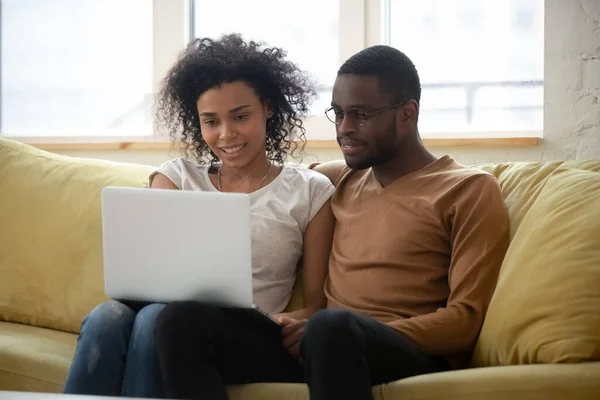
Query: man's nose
(345, 127)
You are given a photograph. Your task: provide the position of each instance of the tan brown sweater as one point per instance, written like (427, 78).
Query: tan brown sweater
(422, 254)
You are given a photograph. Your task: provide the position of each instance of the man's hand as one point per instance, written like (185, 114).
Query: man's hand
(292, 332)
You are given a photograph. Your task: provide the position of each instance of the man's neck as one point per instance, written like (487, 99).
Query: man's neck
(413, 158)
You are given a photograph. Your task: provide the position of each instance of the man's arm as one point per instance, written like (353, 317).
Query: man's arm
(480, 238)
(332, 169)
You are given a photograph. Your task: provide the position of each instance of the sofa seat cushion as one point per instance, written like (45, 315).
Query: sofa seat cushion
(51, 235)
(34, 359)
(37, 360)
(548, 382)
(523, 382)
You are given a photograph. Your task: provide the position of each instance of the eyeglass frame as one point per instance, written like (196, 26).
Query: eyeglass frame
(366, 115)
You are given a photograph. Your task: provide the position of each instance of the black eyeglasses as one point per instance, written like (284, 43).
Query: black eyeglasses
(356, 116)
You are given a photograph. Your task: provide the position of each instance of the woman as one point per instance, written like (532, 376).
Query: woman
(236, 107)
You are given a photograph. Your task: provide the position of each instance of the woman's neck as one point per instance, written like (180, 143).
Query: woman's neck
(256, 169)
(248, 179)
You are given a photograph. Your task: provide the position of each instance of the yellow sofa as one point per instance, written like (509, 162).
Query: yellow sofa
(540, 340)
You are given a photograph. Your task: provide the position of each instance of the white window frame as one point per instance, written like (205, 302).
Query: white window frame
(363, 23)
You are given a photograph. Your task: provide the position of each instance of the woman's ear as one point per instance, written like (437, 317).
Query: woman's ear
(268, 109)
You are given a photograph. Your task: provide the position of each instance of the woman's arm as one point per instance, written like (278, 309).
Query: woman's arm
(315, 262)
(160, 181)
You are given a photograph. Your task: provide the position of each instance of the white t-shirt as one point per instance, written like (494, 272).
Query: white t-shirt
(279, 215)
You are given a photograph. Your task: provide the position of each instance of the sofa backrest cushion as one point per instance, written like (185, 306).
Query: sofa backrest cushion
(521, 183)
(545, 308)
(51, 271)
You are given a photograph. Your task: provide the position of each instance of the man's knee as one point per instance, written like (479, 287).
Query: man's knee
(330, 326)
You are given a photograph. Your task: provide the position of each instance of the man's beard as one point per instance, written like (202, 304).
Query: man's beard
(385, 150)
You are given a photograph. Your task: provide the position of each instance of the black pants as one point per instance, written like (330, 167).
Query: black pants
(202, 348)
(347, 353)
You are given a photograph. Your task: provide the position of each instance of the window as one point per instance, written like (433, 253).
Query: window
(308, 31)
(76, 67)
(87, 70)
(480, 62)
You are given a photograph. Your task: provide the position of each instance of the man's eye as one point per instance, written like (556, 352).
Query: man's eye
(358, 114)
(241, 117)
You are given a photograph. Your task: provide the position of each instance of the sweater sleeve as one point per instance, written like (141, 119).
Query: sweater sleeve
(479, 239)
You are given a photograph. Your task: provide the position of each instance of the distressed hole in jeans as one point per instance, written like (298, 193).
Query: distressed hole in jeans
(94, 357)
(117, 310)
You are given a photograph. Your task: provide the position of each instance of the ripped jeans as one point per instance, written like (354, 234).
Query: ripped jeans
(116, 353)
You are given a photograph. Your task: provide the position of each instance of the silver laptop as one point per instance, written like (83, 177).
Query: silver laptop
(169, 245)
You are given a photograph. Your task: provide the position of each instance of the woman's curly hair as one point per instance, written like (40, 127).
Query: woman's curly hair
(207, 63)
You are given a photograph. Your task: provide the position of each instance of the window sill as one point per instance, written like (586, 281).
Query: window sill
(311, 144)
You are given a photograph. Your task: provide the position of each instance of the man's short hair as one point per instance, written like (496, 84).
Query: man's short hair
(396, 72)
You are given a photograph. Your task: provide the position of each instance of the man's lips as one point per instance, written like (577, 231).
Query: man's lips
(350, 147)
(350, 143)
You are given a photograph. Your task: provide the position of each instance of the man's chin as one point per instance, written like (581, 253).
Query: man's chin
(357, 164)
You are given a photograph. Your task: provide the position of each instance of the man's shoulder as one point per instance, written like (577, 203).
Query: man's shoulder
(469, 176)
(334, 170)
(470, 188)
(457, 185)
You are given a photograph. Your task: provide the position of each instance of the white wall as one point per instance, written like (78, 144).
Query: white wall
(571, 97)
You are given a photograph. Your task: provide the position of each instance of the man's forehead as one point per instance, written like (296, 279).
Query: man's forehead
(350, 89)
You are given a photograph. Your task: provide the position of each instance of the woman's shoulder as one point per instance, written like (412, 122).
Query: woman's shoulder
(180, 165)
(183, 173)
(305, 174)
(308, 189)
(312, 181)
(300, 172)
(183, 162)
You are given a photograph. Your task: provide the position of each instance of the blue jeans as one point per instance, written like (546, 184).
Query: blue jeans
(116, 353)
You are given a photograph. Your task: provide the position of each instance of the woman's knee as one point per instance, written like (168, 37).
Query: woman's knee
(144, 328)
(108, 317)
(149, 314)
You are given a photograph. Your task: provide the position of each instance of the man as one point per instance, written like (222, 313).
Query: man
(417, 247)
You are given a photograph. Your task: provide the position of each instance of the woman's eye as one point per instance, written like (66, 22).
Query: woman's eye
(209, 122)
(241, 117)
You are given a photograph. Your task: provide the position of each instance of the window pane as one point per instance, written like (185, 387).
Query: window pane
(309, 33)
(442, 108)
(76, 67)
(492, 51)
